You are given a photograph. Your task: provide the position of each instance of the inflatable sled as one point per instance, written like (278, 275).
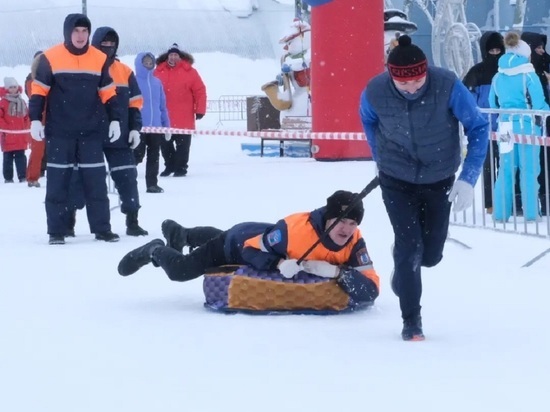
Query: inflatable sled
(242, 289)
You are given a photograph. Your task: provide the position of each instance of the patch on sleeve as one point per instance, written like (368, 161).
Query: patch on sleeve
(274, 237)
(363, 257)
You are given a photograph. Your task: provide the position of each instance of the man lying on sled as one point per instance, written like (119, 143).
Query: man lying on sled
(340, 253)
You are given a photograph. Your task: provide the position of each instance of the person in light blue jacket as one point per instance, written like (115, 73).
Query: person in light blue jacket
(517, 86)
(153, 114)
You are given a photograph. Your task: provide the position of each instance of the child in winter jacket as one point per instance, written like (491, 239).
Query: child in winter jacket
(14, 115)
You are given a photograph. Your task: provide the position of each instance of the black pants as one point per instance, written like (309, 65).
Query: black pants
(181, 268)
(544, 177)
(150, 142)
(176, 159)
(17, 156)
(488, 182)
(419, 214)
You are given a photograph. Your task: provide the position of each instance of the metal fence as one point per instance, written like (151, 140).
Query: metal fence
(513, 193)
(228, 107)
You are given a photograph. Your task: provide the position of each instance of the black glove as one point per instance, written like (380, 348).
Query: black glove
(199, 116)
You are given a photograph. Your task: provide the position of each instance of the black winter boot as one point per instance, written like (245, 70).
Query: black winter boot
(137, 258)
(57, 240)
(107, 236)
(155, 189)
(166, 172)
(175, 234)
(132, 225)
(412, 329)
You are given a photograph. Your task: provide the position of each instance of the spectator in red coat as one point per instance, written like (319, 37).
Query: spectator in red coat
(37, 160)
(186, 102)
(14, 115)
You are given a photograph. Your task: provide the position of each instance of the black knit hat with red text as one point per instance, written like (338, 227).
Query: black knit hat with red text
(407, 61)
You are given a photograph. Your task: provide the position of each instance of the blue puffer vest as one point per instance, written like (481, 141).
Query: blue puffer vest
(416, 140)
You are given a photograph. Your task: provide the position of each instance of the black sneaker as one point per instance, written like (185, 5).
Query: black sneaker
(137, 258)
(412, 329)
(107, 236)
(166, 172)
(155, 189)
(70, 233)
(175, 235)
(8, 181)
(180, 173)
(56, 240)
(34, 183)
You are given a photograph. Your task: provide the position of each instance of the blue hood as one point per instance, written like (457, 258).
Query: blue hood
(141, 70)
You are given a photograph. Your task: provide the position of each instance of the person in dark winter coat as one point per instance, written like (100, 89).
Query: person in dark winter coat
(342, 254)
(14, 115)
(411, 116)
(186, 101)
(73, 83)
(478, 81)
(119, 155)
(153, 114)
(540, 60)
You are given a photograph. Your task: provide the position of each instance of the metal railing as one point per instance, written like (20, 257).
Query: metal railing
(522, 176)
(228, 107)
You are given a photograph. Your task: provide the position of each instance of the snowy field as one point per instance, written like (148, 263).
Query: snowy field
(76, 337)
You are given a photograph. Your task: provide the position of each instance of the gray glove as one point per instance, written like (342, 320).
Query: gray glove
(462, 194)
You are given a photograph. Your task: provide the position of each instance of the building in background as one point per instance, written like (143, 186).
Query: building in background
(249, 29)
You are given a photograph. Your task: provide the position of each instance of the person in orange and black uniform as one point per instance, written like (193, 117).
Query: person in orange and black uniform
(342, 254)
(37, 161)
(73, 83)
(119, 154)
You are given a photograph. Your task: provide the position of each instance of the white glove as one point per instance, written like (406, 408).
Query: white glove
(290, 267)
(462, 194)
(134, 139)
(37, 130)
(321, 268)
(167, 136)
(114, 131)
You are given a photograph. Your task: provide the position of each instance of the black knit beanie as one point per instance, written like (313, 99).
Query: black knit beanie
(407, 61)
(174, 48)
(339, 201)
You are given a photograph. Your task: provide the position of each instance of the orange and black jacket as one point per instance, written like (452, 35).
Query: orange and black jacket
(77, 87)
(292, 236)
(128, 94)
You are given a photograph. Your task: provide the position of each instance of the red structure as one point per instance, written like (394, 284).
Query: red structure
(347, 51)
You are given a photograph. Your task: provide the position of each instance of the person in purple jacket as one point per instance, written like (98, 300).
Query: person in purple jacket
(153, 114)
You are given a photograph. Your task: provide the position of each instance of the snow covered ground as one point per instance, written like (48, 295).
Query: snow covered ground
(76, 337)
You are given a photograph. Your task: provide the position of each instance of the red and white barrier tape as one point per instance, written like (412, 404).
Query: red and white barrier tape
(266, 134)
(526, 139)
(283, 134)
(272, 134)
